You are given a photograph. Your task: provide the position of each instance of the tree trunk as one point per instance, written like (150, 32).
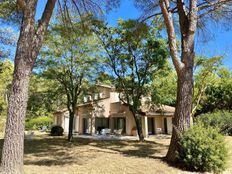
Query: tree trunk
(183, 66)
(12, 154)
(13, 147)
(182, 116)
(28, 46)
(70, 130)
(138, 123)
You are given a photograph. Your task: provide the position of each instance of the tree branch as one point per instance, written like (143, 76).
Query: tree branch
(193, 16)
(164, 5)
(21, 4)
(47, 12)
(207, 4)
(43, 22)
(143, 19)
(183, 18)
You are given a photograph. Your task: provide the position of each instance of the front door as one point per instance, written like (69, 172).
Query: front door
(101, 123)
(120, 123)
(85, 126)
(165, 126)
(151, 129)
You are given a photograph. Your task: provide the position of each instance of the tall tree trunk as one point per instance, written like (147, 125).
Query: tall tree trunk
(182, 116)
(13, 147)
(12, 154)
(183, 66)
(28, 46)
(70, 130)
(138, 122)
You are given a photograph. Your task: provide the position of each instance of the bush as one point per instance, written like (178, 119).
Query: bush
(220, 119)
(37, 123)
(57, 131)
(203, 149)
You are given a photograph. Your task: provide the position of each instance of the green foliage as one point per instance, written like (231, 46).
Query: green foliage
(203, 149)
(6, 71)
(218, 95)
(220, 119)
(70, 59)
(134, 55)
(44, 97)
(57, 131)
(9, 11)
(38, 122)
(5, 5)
(104, 78)
(164, 86)
(205, 74)
(212, 85)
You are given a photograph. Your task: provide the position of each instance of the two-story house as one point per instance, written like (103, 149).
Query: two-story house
(104, 109)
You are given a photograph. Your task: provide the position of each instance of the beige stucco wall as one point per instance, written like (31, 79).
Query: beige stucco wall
(81, 123)
(104, 90)
(58, 118)
(117, 107)
(109, 106)
(114, 97)
(119, 110)
(130, 122)
(159, 124)
(102, 108)
(99, 109)
(76, 120)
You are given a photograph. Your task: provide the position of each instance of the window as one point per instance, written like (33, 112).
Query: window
(100, 95)
(89, 98)
(120, 123)
(95, 96)
(85, 99)
(101, 123)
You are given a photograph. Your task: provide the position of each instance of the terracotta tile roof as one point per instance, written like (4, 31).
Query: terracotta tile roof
(162, 109)
(60, 111)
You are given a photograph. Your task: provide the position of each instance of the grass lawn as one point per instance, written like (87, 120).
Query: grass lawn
(47, 155)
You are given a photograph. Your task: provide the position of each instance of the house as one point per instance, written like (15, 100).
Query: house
(103, 109)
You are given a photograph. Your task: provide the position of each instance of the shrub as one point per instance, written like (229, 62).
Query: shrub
(203, 149)
(57, 131)
(37, 123)
(220, 119)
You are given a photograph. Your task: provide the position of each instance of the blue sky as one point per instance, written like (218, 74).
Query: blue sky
(220, 44)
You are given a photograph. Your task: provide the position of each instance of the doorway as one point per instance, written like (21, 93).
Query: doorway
(120, 123)
(101, 123)
(151, 127)
(86, 126)
(165, 126)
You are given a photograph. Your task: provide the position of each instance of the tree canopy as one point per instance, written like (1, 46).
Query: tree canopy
(70, 57)
(134, 55)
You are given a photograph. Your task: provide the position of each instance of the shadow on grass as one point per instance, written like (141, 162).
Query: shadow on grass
(146, 149)
(52, 151)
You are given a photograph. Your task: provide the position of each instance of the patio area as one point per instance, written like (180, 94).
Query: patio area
(122, 137)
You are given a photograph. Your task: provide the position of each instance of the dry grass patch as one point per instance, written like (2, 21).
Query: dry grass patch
(48, 155)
